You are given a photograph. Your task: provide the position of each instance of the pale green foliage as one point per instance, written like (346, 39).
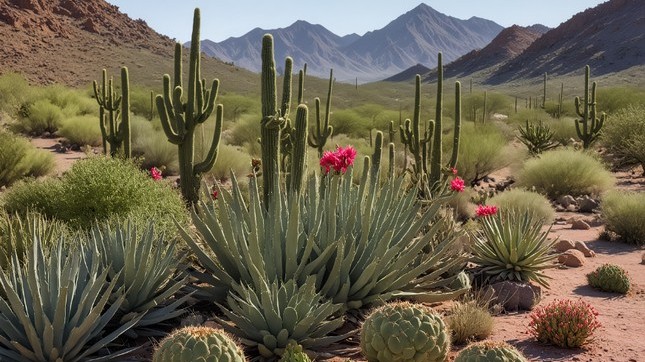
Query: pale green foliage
(564, 130)
(57, 306)
(205, 344)
(624, 135)
(610, 278)
(468, 321)
(14, 89)
(246, 133)
(612, 99)
(520, 200)
(230, 159)
(81, 130)
(151, 145)
(19, 158)
(272, 315)
(565, 172)
(481, 151)
(623, 213)
(512, 246)
(490, 351)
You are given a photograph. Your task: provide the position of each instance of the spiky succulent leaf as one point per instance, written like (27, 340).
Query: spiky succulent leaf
(198, 343)
(404, 332)
(149, 273)
(278, 313)
(56, 307)
(512, 246)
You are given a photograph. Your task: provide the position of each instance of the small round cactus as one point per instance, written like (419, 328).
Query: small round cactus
(404, 332)
(203, 344)
(489, 351)
(610, 278)
(294, 353)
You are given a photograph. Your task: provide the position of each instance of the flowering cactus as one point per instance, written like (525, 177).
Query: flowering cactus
(486, 210)
(564, 323)
(339, 160)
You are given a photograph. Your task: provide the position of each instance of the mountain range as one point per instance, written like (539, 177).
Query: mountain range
(414, 37)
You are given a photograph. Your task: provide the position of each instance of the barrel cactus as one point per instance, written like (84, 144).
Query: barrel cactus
(610, 278)
(404, 332)
(294, 353)
(197, 343)
(489, 351)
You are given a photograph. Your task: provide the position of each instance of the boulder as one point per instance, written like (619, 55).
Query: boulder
(563, 245)
(580, 245)
(587, 204)
(516, 296)
(572, 258)
(580, 225)
(566, 200)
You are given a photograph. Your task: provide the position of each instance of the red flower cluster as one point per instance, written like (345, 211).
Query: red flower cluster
(486, 210)
(155, 173)
(457, 184)
(214, 194)
(564, 323)
(339, 160)
(453, 170)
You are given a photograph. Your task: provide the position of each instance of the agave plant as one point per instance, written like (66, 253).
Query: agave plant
(147, 271)
(512, 246)
(276, 314)
(56, 307)
(537, 138)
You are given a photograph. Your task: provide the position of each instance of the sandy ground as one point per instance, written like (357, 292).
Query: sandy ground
(622, 336)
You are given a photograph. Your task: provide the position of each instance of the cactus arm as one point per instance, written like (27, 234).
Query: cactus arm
(177, 68)
(171, 134)
(392, 159)
(435, 161)
(210, 104)
(211, 157)
(298, 160)
(270, 125)
(301, 84)
(457, 130)
(323, 129)
(286, 87)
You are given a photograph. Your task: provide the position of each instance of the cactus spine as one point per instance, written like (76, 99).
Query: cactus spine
(115, 124)
(179, 118)
(589, 126)
(410, 133)
(322, 130)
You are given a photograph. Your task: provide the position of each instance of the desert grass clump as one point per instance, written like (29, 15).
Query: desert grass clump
(624, 136)
(564, 323)
(624, 213)
(520, 200)
(151, 146)
(99, 189)
(19, 159)
(565, 172)
(81, 130)
(231, 159)
(469, 321)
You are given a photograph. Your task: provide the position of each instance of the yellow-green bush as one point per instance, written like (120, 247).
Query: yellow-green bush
(82, 130)
(469, 321)
(565, 172)
(151, 145)
(19, 158)
(230, 159)
(522, 201)
(624, 135)
(624, 214)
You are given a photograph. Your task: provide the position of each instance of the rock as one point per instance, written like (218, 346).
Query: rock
(516, 296)
(560, 223)
(643, 259)
(595, 221)
(571, 208)
(587, 204)
(572, 258)
(563, 245)
(580, 245)
(566, 200)
(559, 208)
(580, 225)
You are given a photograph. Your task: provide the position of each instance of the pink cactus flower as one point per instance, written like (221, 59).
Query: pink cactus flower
(486, 210)
(155, 173)
(457, 184)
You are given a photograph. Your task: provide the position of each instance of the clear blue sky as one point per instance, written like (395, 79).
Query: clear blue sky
(223, 19)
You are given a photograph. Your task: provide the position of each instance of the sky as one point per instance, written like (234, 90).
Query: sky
(234, 18)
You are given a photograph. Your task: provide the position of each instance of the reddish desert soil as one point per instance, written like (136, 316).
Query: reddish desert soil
(622, 335)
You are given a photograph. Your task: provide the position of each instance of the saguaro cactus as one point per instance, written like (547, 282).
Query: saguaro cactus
(114, 114)
(319, 135)
(588, 126)
(180, 117)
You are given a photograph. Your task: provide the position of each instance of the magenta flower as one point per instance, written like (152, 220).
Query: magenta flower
(339, 160)
(457, 184)
(453, 170)
(155, 173)
(486, 210)
(214, 194)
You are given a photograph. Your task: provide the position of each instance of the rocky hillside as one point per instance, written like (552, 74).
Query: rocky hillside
(412, 38)
(610, 38)
(70, 41)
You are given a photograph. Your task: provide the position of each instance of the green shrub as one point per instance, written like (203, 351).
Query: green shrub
(565, 172)
(624, 135)
(246, 133)
(610, 278)
(230, 159)
(469, 321)
(19, 158)
(612, 99)
(99, 188)
(152, 146)
(564, 130)
(481, 151)
(14, 89)
(520, 200)
(82, 130)
(624, 213)
(44, 116)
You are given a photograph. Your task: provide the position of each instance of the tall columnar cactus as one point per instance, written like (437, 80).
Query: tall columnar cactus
(589, 125)
(181, 115)
(114, 114)
(544, 91)
(431, 176)
(319, 135)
